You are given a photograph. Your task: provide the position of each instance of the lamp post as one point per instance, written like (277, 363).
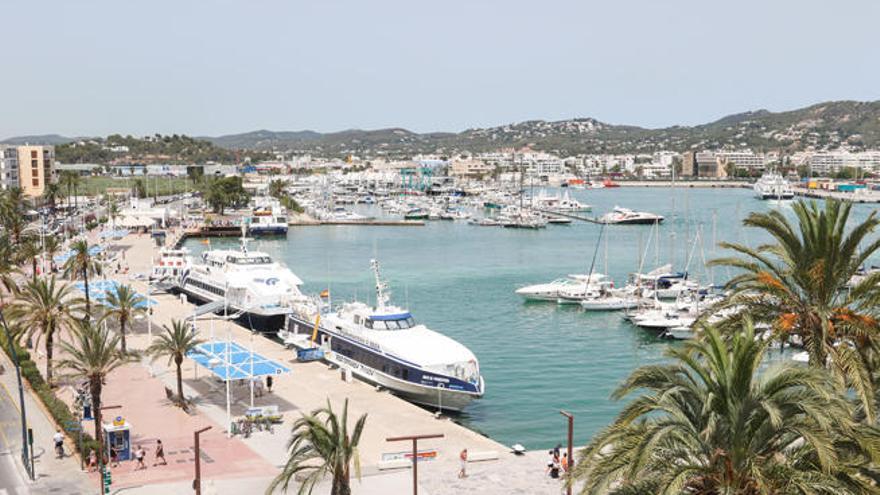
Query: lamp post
(570, 442)
(25, 456)
(415, 454)
(197, 482)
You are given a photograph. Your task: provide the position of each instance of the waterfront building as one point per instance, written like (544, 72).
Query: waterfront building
(470, 169)
(746, 159)
(36, 168)
(8, 167)
(832, 162)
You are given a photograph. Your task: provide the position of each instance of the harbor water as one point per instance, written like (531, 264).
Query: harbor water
(537, 358)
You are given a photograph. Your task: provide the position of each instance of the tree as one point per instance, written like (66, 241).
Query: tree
(123, 304)
(320, 445)
(799, 286)
(711, 422)
(175, 343)
(139, 189)
(51, 247)
(82, 264)
(277, 188)
(29, 252)
(223, 192)
(42, 309)
(51, 194)
(92, 355)
(12, 212)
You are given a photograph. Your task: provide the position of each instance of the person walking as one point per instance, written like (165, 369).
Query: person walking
(140, 455)
(114, 456)
(462, 457)
(160, 454)
(93, 461)
(269, 383)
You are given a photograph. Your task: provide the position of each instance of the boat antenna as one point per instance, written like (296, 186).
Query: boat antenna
(382, 294)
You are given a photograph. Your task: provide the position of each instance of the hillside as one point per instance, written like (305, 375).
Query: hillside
(822, 126)
(825, 125)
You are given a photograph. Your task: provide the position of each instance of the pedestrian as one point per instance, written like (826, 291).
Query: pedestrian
(564, 462)
(93, 461)
(462, 457)
(114, 456)
(160, 453)
(140, 454)
(269, 383)
(553, 465)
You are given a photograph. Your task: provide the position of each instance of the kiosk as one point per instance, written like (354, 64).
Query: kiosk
(118, 435)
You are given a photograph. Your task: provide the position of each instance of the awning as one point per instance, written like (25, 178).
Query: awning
(230, 361)
(138, 221)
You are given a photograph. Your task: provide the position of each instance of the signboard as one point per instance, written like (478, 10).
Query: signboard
(424, 455)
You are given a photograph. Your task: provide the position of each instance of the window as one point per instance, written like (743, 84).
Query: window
(35, 182)
(34, 154)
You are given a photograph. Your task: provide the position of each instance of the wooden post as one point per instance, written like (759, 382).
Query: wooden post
(570, 443)
(415, 454)
(197, 482)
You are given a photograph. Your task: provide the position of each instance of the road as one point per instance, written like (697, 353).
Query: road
(11, 471)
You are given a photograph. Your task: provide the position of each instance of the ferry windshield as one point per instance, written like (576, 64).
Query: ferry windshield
(401, 324)
(250, 260)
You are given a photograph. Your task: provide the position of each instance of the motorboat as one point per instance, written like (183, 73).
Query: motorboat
(625, 216)
(550, 291)
(773, 185)
(250, 285)
(385, 346)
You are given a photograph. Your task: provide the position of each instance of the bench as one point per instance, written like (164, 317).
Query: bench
(395, 464)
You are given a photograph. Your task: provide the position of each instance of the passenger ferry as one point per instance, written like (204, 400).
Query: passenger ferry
(268, 220)
(167, 269)
(385, 346)
(773, 185)
(253, 287)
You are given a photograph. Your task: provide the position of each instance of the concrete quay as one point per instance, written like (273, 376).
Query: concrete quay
(253, 461)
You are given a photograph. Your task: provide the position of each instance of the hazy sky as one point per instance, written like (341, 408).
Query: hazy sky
(212, 67)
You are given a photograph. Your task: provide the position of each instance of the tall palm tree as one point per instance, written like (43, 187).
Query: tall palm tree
(51, 194)
(43, 308)
(320, 445)
(51, 247)
(92, 355)
(176, 342)
(712, 422)
(123, 304)
(82, 264)
(12, 208)
(800, 286)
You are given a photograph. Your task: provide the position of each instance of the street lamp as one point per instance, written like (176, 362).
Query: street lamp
(570, 442)
(25, 456)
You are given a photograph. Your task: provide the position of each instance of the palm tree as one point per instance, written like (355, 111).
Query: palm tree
(123, 304)
(177, 341)
(29, 252)
(113, 211)
(12, 206)
(711, 422)
(799, 286)
(319, 445)
(92, 356)
(51, 247)
(81, 264)
(277, 188)
(43, 308)
(52, 193)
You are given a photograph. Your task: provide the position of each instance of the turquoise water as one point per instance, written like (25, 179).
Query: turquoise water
(536, 358)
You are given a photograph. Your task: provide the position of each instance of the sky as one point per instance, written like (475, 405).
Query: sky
(90, 68)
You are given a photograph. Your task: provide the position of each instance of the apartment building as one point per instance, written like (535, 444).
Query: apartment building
(742, 159)
(8, 167)
(36, 168)
(831, 162)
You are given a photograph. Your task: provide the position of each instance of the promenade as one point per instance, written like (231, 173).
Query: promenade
(230, 464)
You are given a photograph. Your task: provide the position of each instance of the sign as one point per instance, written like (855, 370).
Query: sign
(119, 421)
(424, 455)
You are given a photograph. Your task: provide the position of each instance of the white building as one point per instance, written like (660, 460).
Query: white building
(742, 159)
(831, 162)
(8, 167)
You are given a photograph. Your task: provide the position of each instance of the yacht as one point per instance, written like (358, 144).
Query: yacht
(773, 185)
(384, 345)
(550, 291)
(625, 216)
(662, 282)
(251, 286)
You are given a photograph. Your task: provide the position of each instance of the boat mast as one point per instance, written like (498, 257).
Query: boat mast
(382, 294)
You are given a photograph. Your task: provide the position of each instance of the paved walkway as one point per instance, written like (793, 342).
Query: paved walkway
(55, 476)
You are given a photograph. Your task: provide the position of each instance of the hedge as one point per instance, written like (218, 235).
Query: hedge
(56, 407)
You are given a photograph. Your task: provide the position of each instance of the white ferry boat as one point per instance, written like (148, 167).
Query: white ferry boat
(772, 185)
(167, 269)
(270, 219)
(385, 346)
(251, 285)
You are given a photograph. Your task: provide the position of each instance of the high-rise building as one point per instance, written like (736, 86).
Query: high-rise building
(36, 168)
(8, 167)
